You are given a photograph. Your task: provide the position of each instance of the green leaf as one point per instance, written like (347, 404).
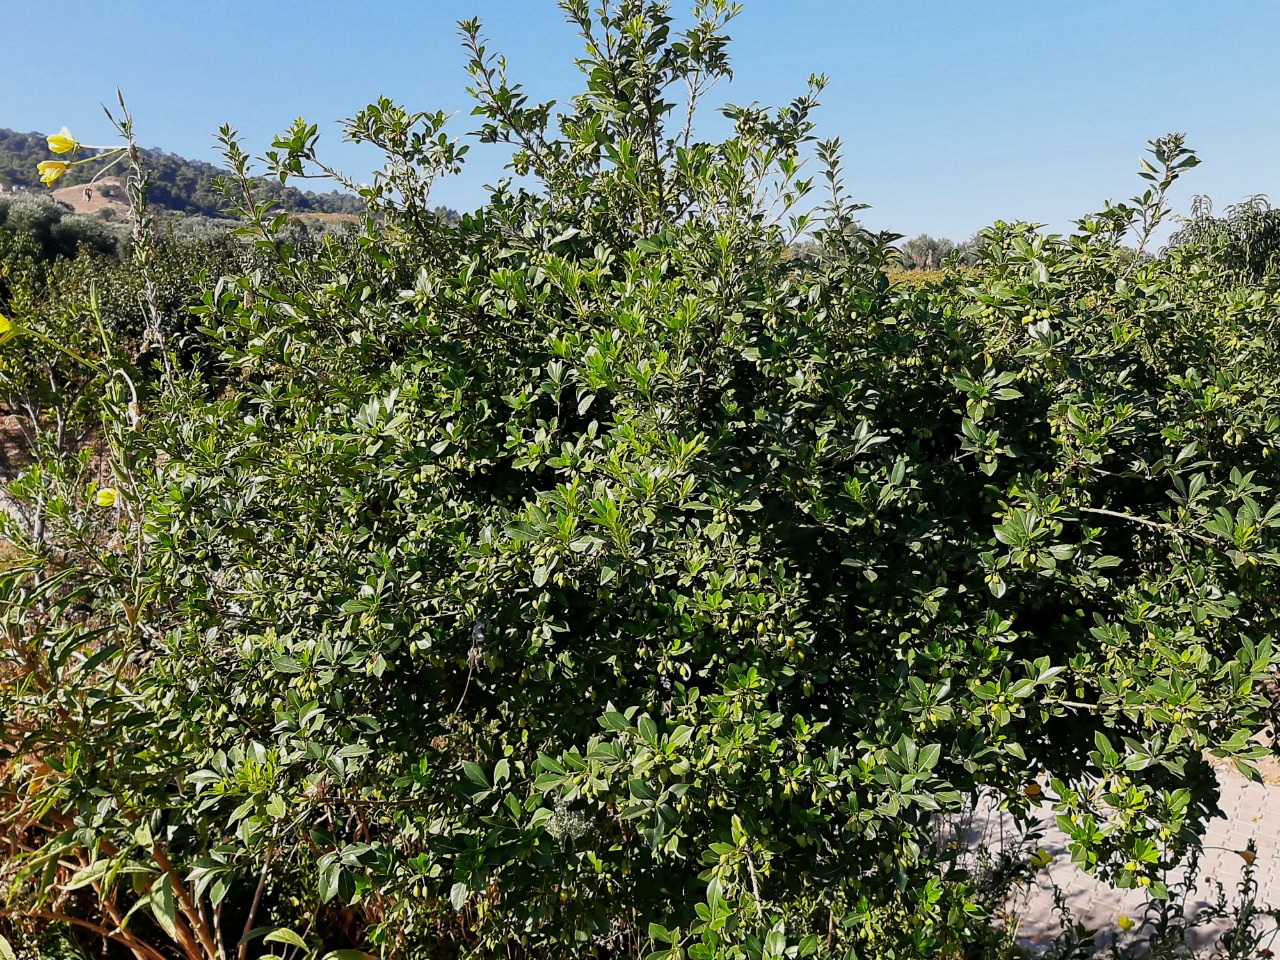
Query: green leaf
(612, 720)
(286, 664)
(163, 906)
(641, 791)
(679, 736)
(929, 757)
(90, 874)
(330, 877)
(475, 773)
(285, 935)
(648, 730)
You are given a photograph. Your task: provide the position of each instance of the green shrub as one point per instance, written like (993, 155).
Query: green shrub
(52, 227)
(1242, 245)
(592, 577)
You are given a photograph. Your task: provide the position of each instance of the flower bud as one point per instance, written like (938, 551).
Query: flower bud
(63, 142)
(51, 170)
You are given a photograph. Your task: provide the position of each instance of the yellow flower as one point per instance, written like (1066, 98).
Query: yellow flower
(63, 142)
(51, 170)
(107, 497)
(1126, 923)
(7, 330)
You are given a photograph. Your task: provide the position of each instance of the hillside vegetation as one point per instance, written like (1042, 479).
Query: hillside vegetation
(592, 575)
(177, 184)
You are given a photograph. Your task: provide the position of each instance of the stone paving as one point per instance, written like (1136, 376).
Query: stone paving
(1252, 810)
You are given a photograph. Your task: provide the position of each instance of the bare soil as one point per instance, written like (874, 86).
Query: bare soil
(14, 454)
(107, 194)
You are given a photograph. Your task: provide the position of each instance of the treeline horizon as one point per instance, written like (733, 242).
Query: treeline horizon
(178, 185)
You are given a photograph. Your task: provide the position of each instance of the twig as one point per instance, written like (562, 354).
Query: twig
(755, 883)
(1154, 524)
(184, 900)
(133, 943)
(217, 929)
(257, 899)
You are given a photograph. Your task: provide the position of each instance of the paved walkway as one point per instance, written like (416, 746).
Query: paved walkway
(1252, 810)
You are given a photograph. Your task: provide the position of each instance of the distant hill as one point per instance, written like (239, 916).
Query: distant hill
(107, 198)
(178, 184)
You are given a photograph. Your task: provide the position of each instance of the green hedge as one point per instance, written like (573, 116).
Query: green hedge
(592, 577)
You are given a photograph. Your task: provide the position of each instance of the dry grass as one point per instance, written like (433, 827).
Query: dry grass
(914, 278)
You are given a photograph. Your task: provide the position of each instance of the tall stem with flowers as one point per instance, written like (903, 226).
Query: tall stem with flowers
(137, 180)
(94, 551)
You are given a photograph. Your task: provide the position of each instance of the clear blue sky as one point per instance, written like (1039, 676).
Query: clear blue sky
(953, 114)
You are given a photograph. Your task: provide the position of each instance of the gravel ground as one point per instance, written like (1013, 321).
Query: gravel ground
(1251, 811)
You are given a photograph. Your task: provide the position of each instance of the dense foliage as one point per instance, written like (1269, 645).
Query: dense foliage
(1244, 240)
(35, 229)
(74, 280)
(595, 577)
